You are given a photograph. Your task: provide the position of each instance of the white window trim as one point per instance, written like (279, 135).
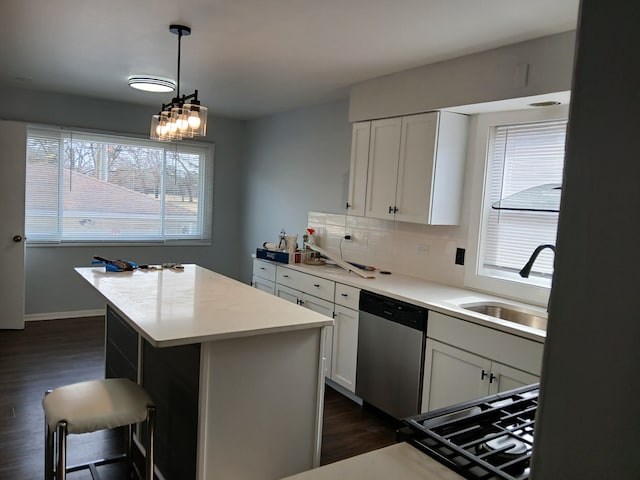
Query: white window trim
(481, 124)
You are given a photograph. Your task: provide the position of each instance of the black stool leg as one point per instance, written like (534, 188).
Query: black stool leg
(61, 434)
(48, 447)
(151, 426)
(48, 452)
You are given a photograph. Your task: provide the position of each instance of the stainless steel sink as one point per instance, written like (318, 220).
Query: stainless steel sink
(511, 313)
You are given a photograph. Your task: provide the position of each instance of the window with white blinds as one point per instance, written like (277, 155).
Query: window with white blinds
(84, 187)
(521, 156)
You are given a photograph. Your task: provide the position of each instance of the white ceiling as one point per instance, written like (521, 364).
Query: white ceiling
(250, 58)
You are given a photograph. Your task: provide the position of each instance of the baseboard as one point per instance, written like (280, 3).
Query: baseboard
(340, 389)
(33, 317)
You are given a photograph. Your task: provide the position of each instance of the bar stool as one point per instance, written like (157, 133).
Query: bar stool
(91, 406)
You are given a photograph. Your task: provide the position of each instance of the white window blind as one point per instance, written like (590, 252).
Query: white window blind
(521, 156)
(85, 187)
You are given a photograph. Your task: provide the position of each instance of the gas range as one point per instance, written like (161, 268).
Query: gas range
(490, 438)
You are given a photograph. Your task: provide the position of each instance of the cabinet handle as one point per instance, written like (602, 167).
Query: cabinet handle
(484, 374)
(348, 205)
(334, 314)
(344, 294)
(396, 209)
(390, 209)
(492, 377)
(262, 268)
(299, 302)
(317, 285)
(285, 276)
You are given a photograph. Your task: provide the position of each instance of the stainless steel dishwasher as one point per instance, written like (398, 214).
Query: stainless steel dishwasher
(391, 340)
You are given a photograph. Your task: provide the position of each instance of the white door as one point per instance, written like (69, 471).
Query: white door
(415, 167)
(345, 347)
(264, 285)
(359, 165)
(13, 140)
(326, 309)
(383, 168)
(453, 376)
(505, 378)
(289, 294)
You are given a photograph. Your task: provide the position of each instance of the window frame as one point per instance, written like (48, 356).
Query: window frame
(205, 216)
(531, 290)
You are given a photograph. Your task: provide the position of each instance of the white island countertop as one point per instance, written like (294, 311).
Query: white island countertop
(401, 461)
(178, 307)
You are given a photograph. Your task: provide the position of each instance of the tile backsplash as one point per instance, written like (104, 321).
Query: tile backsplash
(421, 251)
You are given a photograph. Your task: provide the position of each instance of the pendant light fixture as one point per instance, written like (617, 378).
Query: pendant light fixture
(184, 117)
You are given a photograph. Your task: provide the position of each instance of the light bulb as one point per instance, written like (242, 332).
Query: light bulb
(182, 122)
(194, 120)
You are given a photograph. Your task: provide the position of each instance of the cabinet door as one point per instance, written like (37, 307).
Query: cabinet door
(452, 376)
(360, 137)
(416, 167)
(326, 309)
(345, 347)
(505, 378)
(264, 285)
(289, 294)
(384, 149)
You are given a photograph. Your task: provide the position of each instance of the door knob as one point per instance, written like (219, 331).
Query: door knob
(17, 238)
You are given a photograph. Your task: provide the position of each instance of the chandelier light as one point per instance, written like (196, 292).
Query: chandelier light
(183, 117)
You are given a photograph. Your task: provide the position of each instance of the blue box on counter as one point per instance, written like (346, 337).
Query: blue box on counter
(282, 257)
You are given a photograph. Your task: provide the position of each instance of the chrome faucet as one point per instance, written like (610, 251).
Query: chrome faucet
(526, 270)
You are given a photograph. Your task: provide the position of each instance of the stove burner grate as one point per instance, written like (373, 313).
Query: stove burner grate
(490, 439)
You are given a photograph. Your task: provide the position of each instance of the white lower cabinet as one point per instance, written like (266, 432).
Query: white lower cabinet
(465, 361)
(345, 347)
(456, 376)
(311, 302)
(264, 285)
(334, 300)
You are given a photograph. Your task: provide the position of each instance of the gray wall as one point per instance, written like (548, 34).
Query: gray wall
(588, 421)
(482, 77)
(296, 162)
(51, 283)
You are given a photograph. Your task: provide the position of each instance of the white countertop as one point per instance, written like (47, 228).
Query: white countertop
(400, 461)
(431, 295)
(195, 305)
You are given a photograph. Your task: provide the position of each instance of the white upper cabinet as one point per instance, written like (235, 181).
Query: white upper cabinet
(358, 171)
(384, 149)
(415, 168)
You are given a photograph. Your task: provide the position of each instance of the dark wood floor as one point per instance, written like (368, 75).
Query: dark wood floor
(53, 353)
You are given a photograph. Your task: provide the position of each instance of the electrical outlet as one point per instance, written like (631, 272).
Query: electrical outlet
(460, 256)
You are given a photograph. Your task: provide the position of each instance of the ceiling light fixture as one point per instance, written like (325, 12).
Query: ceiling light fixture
(184, 117)
(151, 84)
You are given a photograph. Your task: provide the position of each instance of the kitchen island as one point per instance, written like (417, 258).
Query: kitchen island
(236, 374)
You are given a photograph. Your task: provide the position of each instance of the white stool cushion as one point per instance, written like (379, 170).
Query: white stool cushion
(96, 405)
